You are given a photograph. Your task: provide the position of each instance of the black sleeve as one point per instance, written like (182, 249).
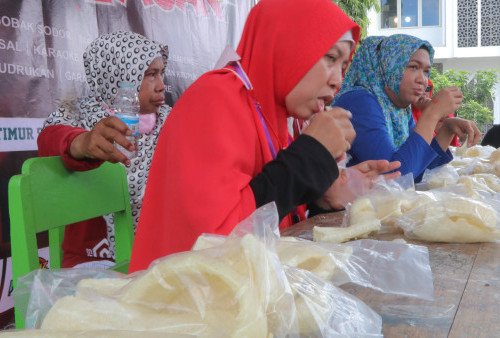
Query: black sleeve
(300, 174)
(314, 210)
(492, 137)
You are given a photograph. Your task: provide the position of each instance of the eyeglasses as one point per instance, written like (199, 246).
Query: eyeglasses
(428, 89)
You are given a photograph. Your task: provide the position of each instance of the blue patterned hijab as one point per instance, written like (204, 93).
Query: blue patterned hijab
(381, 61)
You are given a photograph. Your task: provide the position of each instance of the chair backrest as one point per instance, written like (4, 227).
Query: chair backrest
(47, 196)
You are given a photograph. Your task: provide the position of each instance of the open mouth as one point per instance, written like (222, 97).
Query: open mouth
(324, 102)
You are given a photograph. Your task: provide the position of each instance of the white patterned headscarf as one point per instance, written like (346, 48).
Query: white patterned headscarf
(109, 60)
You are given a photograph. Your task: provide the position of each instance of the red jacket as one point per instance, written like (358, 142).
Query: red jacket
(213, 143)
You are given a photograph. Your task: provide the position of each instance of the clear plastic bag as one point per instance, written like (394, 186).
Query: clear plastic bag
(453, 218)
(238, 288)
(322, 310)
(465, 212)
(476, 160)
(478, 151)
(37, 291)
(438, 178)
(364, 262)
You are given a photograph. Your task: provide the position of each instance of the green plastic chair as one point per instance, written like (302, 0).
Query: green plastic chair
(47, 196)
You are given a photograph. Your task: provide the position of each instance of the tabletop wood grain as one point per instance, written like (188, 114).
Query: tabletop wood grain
(466, 288)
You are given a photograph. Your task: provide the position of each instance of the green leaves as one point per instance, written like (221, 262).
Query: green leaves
(478, 91)
(357, 11)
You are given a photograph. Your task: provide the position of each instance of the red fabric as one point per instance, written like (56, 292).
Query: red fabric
(56, 141)
(417, 112)
(83, 241)
(213, 142)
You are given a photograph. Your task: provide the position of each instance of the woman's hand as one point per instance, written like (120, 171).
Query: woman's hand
(333, 129)
(440, 107)
(98, 143)
(422, 102)
(445, 102)
(457, 126)
(356, 181)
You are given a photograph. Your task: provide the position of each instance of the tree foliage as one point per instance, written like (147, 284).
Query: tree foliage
(358, 11)
(478, 91)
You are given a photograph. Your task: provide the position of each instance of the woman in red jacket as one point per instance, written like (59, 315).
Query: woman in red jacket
(225, 149)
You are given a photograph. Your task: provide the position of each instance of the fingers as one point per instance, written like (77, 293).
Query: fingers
(116, 124)
(114, 155)
(474, 134)
(343, 118)
(99, 143)
(448, 100)
(114, 130)
(338, 112)
(377, 167)
(333, 129)
(384, 167)
(458, 97)
(391, 166)
(102, 149)
(465, 130)
(392, 176)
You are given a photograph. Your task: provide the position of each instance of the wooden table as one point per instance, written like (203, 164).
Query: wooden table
(466, 289)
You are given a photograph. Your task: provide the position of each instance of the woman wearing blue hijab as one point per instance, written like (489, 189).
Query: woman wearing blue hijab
(386, 76)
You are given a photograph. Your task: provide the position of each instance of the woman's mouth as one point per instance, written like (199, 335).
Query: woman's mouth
(159, 102)
(418, 91)
(320, 105)
(323, 102)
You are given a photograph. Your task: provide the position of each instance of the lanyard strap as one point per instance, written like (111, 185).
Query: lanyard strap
(243, 77)
(248, 85)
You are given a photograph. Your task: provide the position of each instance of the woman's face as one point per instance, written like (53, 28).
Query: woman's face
(415, 77)
(316, 89)
(151, 94)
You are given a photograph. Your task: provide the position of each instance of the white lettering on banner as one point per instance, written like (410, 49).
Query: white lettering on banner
(180, 75)
(7, 21)
(6, 301)
(184, 75)
(11, 45)
(10, 68)
(188, 60)
(19, 134)
(55, 53)
(75, 77)
(53, 31)
(16, 23)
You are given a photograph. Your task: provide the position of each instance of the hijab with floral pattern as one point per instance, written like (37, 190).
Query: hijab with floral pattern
(380, 62)
(109, 60)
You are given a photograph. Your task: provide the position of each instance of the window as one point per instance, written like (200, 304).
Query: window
(410, 13)
(389, 11)
(430, 12)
